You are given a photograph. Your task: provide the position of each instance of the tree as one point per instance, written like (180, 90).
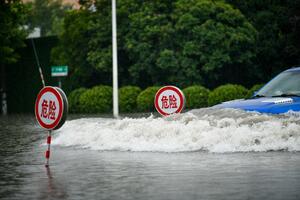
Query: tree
(12, 16)
(150, 43)
(217, 38)
(278, 25)
(48, 16)
(73, 50)
(190, 42)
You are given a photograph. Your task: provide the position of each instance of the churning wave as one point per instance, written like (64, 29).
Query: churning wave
(211, 130)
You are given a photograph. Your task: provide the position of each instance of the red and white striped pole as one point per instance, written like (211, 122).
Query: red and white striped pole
(47, 154)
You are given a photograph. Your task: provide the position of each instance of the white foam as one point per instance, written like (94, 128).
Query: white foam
(209, 130)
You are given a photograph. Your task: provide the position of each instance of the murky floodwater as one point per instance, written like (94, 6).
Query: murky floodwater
(204, 154)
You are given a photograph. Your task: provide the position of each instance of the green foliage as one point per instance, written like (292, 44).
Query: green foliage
(253, 89)
(176, 42)
(74, 100)
(73, 50)
(278, 43)
(218, 39)
(196, 96)
(99, 55)
(182, 42)
(97, 100)
(128, 96)
(12, 17)
(145, 100)
(226, 92)
(99, 45)
(150, 44)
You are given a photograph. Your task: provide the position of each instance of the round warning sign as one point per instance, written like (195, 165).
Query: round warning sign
(169, 100)
(51, 108)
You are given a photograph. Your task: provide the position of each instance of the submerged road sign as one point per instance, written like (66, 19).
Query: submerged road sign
(169, 100)
(57, 71)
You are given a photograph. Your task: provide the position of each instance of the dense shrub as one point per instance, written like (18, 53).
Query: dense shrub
(145, 100)
(128, 96)
(73, 99)
(226, 92)
(254, 88)
(97, 100)
(196, 96)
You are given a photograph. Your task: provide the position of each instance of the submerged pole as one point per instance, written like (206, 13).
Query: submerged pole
(47, 154)
(115, 61)
(3, 96)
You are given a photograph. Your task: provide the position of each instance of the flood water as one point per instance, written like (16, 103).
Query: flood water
(203, 154)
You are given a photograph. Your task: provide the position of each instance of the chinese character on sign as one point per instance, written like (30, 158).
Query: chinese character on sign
(52, 109)
(165, 103)
(44, 109)
(48, 109)
(172, 100)
(169, 102)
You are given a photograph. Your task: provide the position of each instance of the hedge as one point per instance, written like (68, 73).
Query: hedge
(145, 100)
(128, 96)
(97, 100)
(196, 96)
(225, 93)
(73, 99)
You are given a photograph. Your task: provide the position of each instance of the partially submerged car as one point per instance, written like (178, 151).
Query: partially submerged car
(280, 95)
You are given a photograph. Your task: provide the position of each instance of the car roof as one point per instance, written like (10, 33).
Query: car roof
(293, 69)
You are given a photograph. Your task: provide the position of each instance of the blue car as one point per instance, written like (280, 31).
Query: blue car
(280, 95)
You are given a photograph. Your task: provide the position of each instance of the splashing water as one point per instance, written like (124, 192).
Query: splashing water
(211, 130)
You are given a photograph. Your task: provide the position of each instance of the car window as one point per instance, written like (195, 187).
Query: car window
(286, 83)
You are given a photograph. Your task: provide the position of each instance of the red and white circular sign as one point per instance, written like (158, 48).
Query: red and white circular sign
(169, 100)
(49, 107)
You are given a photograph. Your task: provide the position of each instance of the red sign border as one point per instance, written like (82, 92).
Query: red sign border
(60, 102)
(176, 90)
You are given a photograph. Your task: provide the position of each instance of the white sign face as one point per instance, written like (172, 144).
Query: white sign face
(49, 107)
(169, 100)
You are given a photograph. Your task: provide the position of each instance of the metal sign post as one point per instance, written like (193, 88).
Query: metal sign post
(115, 61)
(47, 154)
(59, 83)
